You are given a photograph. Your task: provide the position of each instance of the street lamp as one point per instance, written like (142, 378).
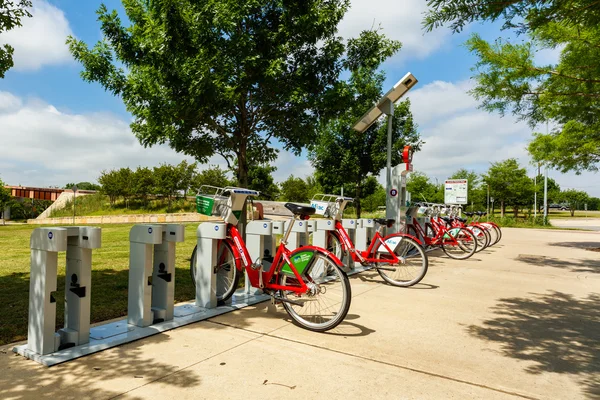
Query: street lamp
(385, 105)
(74, 188)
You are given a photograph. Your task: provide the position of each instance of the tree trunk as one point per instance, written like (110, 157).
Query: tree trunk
(502, 208)
(516, 211)
(572, 211)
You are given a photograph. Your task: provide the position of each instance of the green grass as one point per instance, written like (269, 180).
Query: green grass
(98, 204)
(110, 274)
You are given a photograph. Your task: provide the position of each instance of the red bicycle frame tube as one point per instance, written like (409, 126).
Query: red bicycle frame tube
(364, 255)
(282, 257)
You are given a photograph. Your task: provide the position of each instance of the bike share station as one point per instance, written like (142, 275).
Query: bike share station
(151, 308)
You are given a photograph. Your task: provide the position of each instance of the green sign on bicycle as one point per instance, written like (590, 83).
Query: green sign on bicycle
(204, 205)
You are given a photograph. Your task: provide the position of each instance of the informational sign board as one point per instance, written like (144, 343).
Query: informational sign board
(455, 191)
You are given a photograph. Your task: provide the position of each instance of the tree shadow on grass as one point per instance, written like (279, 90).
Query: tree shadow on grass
(555, 331)
(581, 266)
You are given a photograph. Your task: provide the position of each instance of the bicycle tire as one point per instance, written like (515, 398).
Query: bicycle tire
(227, 281)
(480, 236)
(460, 235)
(318, 276)
(406, 249)
(334, 245)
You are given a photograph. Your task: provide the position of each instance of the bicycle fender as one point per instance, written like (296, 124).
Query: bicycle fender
(394, 242)
(319, 250)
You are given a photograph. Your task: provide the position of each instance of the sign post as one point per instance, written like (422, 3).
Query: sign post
(455, 191)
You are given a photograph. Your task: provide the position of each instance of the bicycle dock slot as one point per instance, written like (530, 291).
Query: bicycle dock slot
(151, 307)
(45, 244)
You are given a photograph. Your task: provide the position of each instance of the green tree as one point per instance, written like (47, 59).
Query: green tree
(110, 185)
(167, 181)
(83, 186)
(593, 204)
(509, 79)
(574, 198)
(260, 177)
(509, 185)
(143, 183)
(125, 184)
(377, 199)
(422, 189)
(222, 77)
(553, 191)
(343, 157)
(5, 199)
(294, 189)
(11, 14)
(213, 176)
(314, 187)
(186, 173)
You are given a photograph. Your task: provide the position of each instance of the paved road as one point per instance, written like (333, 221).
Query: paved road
(592, 224)
(518, 321)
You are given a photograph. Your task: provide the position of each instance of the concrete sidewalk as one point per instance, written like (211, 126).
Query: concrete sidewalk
(520, 320)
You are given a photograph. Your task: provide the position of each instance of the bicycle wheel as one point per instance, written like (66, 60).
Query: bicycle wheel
(334, 245)
(492, 233)
(412, 267)
(462, 247)
(228, 276)
(327, 300)
(480, 236)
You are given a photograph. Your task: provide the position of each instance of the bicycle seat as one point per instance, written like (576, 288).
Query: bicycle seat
(464, 220)
(386, 222)
(447, 219)
(469, 214)
(297, 209)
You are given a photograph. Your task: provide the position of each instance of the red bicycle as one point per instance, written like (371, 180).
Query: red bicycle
(458, 243)
(308, 281)
(398, 258)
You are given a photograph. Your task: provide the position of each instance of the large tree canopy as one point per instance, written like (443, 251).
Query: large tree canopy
(223, 77)
(565, 95)
(11, 13)
(343, 157)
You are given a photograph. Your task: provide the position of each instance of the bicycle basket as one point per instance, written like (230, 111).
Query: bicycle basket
(211, 204)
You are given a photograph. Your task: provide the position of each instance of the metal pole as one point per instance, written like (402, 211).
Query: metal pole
(488, 203)
(389, 149)
(545, 194)
(535, 197)
(388, 109)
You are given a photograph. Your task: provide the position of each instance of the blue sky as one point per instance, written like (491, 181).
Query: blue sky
(55, 128)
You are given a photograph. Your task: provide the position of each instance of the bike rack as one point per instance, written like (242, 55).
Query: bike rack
(364, 232)
(321, 232)
(149, 249)
(299, 229)
(257, 234)
(208, 234)
(45, 243)
(152, 273)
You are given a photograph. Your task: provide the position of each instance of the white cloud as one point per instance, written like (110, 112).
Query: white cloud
(458, 135)
(288, 164)
(400, 20)
(43, 146)
(41, 39)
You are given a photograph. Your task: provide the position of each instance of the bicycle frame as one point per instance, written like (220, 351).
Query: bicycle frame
(363, 256)
(440, 233)
(282, 257)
